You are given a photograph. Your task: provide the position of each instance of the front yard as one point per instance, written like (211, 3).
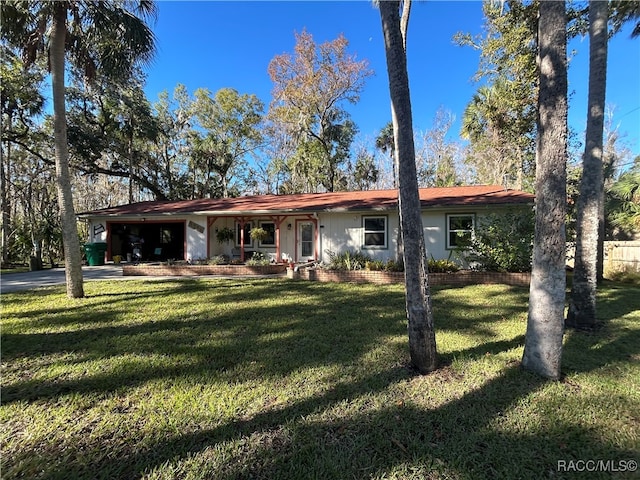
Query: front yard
(277, 379)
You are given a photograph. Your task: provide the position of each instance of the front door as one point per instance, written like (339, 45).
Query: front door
(306, 241)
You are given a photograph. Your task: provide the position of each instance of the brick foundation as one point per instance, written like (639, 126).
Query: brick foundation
(464, 277)
(195, 270)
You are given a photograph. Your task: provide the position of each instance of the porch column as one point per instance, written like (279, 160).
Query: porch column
(277, 220)
(241, 221)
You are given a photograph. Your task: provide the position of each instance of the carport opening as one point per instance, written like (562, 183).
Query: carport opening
(157, 241)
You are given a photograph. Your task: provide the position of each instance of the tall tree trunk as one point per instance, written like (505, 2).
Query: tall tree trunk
(582, 303)
(543, 340)
(422, 342)
(130, 155)
(70, 240)
(5, 206)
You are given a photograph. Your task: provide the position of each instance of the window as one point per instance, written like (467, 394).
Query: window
(375, 232)
(247, 234)
(459, 230)
(270, 228)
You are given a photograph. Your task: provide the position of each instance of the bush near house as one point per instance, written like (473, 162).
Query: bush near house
(350, 260)
(502, 243)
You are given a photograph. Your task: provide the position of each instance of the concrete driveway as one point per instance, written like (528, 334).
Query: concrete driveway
(14, 282)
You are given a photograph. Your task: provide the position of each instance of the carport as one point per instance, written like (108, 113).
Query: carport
(157, 240)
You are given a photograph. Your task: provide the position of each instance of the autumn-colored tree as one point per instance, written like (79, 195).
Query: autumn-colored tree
(310, 89)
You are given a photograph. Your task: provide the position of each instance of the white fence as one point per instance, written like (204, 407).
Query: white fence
(617, 255)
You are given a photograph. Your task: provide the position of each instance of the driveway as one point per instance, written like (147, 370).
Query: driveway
(13, 282)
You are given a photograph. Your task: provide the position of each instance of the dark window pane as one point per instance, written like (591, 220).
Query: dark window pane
(374, 224)
(374, 239)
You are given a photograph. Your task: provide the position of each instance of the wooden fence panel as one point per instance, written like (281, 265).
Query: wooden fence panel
(622, 255)
(617, 255)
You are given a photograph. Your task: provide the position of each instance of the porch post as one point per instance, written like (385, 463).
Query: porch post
(277, 220)
(242, 221)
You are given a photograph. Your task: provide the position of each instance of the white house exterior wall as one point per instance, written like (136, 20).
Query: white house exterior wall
(337, 232)
(196, 237)
(340, 232)
(434, 229)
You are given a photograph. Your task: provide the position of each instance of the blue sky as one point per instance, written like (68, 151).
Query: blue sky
(230, 44)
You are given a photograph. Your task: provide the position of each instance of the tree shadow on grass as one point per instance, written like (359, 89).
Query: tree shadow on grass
(316, 437)
(463, 438)
(274, 338)
(265, 340)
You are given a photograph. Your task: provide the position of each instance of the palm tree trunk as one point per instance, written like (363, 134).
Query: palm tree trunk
(422, 342)
(582, 303)
(543, 340)
(70, 240)
(5, 162)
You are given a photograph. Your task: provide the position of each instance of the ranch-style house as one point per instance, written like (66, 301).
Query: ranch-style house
(300, 227)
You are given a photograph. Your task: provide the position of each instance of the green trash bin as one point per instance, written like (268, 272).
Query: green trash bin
(95, 253)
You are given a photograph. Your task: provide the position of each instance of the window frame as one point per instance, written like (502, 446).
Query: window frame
(449, 230)
(261, 243)
(384, 232)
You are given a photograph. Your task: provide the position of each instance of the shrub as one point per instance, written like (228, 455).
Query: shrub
(393, 266)
(258, 258)
(348, 260)
(218, 260)
(375, 265)
(442, 266)
(503, 242)
(625, 275)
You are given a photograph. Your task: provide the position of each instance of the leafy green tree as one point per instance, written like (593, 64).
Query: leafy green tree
(228, 132)
(624, 200)
(105, 37)
(500, 120)
(172, 150)
(545, 322)
(111, 131)
(384, 143)
(365, 172)
(422, 342)
(625, 11)
(310, 88)
(20, 101)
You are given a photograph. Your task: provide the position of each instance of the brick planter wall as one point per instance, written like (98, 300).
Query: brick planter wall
(464, 277)
(194, 270)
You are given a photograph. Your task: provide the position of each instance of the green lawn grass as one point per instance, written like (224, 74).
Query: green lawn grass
(276, 379)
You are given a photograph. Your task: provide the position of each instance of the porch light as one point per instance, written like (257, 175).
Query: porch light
(288, 226)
